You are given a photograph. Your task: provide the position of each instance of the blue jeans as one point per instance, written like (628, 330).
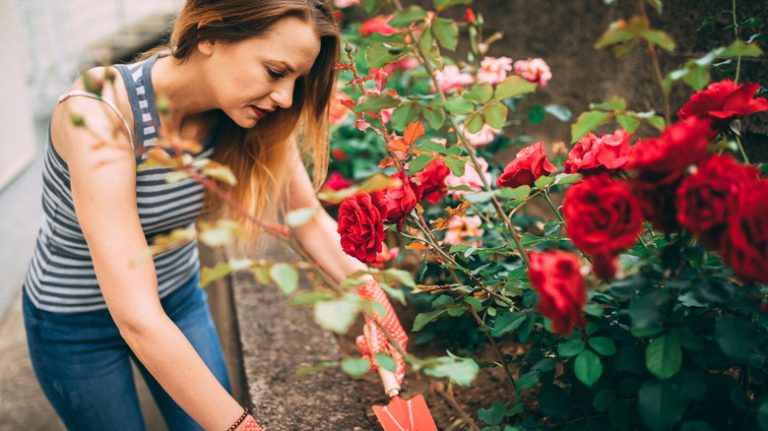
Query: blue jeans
(83, 365)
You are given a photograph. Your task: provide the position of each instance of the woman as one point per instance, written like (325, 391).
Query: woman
(242, 76)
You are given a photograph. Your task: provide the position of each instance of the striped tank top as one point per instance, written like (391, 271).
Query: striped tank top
(60, 277)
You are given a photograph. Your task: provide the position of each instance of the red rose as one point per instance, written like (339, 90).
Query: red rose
(336, 181)
(593, 155)
(339, 154)
(397, 202)
(361, 227)
(657, 198)
(377, 25)
(432, 179)
(605, 265)
(601, 215)
(681, 145)
(705, 198)
(556, 276)
(529, 164)
(724, 100)
(469, 16)
(745, 243)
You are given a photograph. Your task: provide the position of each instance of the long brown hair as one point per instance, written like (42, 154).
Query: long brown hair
(260, 157)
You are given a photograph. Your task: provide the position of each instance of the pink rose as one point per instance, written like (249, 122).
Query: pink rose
(470, 178)
(451, 77)
(379, 25)
(336, 181)
(460, 228)
(592, 155)
(345, 3)
(534, 70)
(494, 70)
(484, 136)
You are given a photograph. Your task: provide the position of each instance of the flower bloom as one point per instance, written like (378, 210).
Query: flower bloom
(529, 164)
(658, 200)
(471, 178)
(451, 77)
(339, 154)
(494, 70)
(534, 70)
(345, 3)
(460, 228)
(681, 145)
(469, 16)
(602, 216)
(379, 25)
(745, 244)
(592, 155)
(724, 100)
(556, 276)
(336, 181)
(705, 199)
(361, 227)
(385, 255)
(396, 203)
(339, 110)
(432, 179)
(484, 136)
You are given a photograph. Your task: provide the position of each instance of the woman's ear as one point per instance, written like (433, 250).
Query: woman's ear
(205, 46)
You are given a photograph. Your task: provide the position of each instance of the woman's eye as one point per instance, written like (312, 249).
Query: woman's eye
(274, 74)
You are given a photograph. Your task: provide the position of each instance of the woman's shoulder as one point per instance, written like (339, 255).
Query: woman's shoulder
(74, 117)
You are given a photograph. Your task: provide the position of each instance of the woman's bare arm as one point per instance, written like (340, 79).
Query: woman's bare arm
(103, 182)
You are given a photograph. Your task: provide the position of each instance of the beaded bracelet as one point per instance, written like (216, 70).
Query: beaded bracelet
(239, 420)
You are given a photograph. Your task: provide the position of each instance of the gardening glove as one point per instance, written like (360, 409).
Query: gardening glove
(374, 341)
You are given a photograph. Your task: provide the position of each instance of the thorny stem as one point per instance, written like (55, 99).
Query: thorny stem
(554, 209)
(510, 379)
(741, 148)
(452, 402)
(656, 67)
(738, 59)
(472, 156)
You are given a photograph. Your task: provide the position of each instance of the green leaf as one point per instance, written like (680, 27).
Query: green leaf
(663, 357)
(459, 105)
(386, 362)
(554, 402)
(739, 48)
(443, 4)
(543, 182)
(479, 93)
(455, 165)
(435, 117)
(512, 87)
(337, 315)
(474, 123)
(588, 367)
(495, 115)
(558, 111)
(398, 275)
(376, 103)
(698, 77)
(572, 347)
(603, 346)
(515, 194)
(527, 380)
(660, 38)
(446, 32)
(403, 115)
(615, 103)
(379, 55)
(735, 336)
(536, 114)
(355, 367)
(300, 216)
(461, 370)
(371, 5)
(587, 122)
(285, 276)
(506, 323)
(492, 416)
(628, 122)
(660, 404)
(417, 164)
(617, 32)
(604, 399)
(564, 179)
(407, 16)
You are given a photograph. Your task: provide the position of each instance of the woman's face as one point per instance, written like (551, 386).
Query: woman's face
(251, 78)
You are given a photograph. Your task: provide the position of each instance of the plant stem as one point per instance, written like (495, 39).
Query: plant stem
(741, 148)
(736, 33)
(452, 402)
(656, 67)
(554, 209)
(510, 379)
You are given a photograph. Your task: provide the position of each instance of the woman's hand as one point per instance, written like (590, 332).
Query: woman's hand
(373, 340)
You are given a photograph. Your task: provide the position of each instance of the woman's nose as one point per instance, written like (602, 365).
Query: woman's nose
(282, 95)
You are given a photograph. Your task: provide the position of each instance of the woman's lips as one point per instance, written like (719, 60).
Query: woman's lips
(258, 112)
